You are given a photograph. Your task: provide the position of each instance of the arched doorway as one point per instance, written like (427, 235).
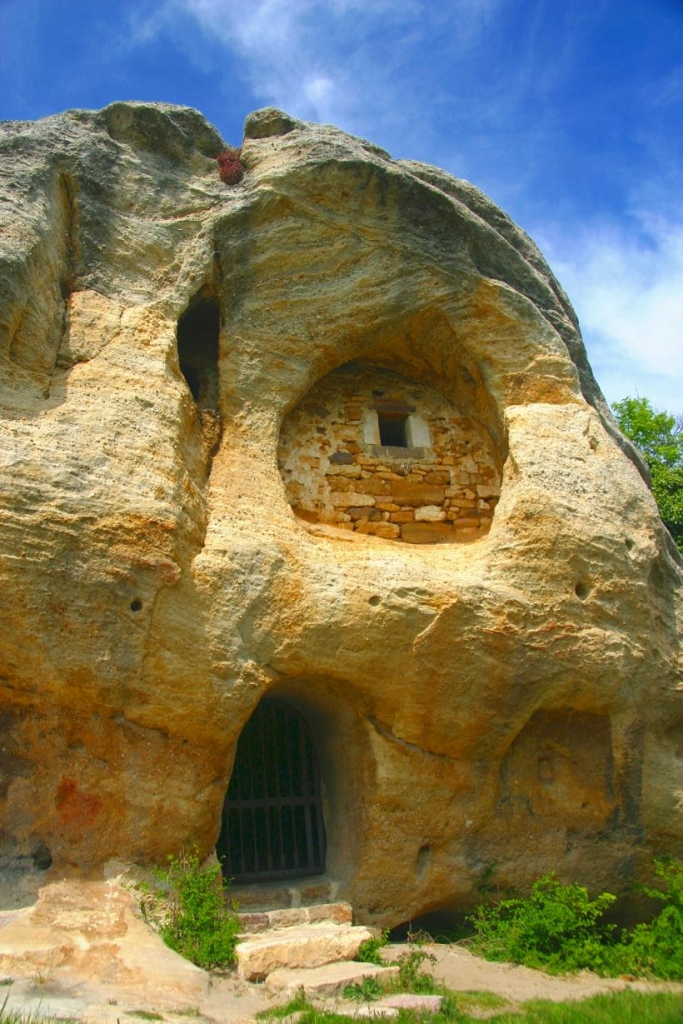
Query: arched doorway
(272, 823)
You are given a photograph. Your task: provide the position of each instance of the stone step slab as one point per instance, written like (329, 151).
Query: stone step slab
(327, 981)
(257, 922)
(413, 1001)
(391, 1006)
(308, 945)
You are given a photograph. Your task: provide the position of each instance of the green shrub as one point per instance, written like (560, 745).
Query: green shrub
(556, 927)
(656, 948)
(368, 952)
(411, 976)
(197, 920)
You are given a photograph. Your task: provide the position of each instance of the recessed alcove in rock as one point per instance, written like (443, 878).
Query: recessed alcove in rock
(198, 331)
(372, 451)
(198, 337)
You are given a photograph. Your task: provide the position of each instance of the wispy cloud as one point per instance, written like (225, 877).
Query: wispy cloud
(348, 62)
(627, 287)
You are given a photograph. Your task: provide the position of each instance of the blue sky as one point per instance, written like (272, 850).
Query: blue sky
(568, 113)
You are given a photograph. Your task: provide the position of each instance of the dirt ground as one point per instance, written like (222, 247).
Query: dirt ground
(233, 1001)
(464, 972)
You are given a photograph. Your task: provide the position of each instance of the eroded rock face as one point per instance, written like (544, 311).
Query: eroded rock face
(512, 696)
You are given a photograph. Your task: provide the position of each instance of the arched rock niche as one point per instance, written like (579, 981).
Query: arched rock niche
(342, 738)
(561, 767)
(371, 451)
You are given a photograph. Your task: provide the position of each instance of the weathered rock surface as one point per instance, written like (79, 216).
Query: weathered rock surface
(307, 946)
(326, 981)
(91, 934)
(511, 696)
(297, 938)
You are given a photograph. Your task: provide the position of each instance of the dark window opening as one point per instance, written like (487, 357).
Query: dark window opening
(392, 430)
(198, 331)
(272, 823)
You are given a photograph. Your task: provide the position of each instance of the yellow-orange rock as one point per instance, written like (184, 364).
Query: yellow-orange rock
(513, 695)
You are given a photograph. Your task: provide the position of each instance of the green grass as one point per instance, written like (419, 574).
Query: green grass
(365, 991)
(617, 1008)
(369, 951)
(295, 1005)
(8, 1016)
(479, 1000)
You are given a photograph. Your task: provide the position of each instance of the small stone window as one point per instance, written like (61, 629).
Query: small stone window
(371, 451)
(393, 429)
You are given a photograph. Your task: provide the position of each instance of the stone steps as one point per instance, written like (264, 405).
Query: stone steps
(308, 945)
(298, 939)
(327, 981)
(256, 922)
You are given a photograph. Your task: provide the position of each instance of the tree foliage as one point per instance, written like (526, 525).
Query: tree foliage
(659, 436)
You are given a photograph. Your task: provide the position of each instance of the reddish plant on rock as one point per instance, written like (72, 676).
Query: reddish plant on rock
(230, 166)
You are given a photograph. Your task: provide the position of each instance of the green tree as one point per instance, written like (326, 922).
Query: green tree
(659, 436)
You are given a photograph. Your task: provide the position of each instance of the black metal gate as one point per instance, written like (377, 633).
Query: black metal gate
(272, 817)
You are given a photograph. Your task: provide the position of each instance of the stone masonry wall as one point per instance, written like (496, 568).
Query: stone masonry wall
(441, 486)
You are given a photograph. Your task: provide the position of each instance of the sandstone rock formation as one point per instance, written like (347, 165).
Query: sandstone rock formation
(401, 347)
(89, 937)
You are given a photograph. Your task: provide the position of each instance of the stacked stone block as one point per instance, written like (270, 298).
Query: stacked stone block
(441, 492)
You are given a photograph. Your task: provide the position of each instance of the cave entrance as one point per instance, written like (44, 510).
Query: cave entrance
(272, 824)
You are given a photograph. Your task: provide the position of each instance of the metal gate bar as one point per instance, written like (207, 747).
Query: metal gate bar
(272, 824)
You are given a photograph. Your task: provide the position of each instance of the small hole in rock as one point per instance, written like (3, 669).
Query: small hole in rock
(423, 859)
(629, 543)
(136, 605)
(374, 601)
(42, 858)
(582, 590)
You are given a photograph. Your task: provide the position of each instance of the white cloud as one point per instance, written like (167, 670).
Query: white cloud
(627, 288)
(339, 61)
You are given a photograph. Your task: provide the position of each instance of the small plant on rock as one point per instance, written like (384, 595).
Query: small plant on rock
(369, 951)
(365, 991)
(192, 914)
(230, 166)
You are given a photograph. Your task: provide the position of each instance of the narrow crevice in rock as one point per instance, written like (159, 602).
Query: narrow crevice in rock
(386, 732)
(67, 277)
(198, 350)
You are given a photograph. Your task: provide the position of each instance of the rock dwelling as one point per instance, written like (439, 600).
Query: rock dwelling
(319, 545)
(370, 451)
